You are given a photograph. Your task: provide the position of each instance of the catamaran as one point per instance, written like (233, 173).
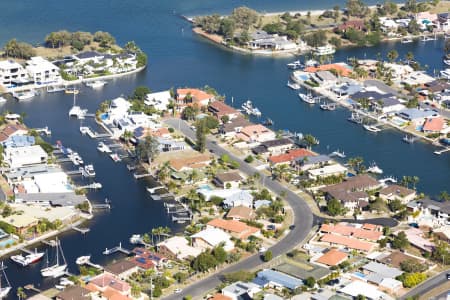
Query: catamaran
(4, 290)
(58, 269)
(27, 259)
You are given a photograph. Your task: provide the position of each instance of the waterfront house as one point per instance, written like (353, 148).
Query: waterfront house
(352, 192)
(12, 73)
(219, 109)
(190, 163)
(118, 109)
(388, 24)
(25, 156)
(327, 171)
(122, 269)
(177, 247)
(311, 162)
(42, 71)
(228, 180)
(108, 286)
(146, 259)
(230, 129)
(332, 257)
(241, 212)
(340, 68)
(437, 86)
(256, 133)
(21, 223)
(212, 237)
(74, 292)
(54, 199)
(12, 130)
(397, 192)
(17, 141)
(190, 97)
(432, 213)
(415, 115)
(278, 280)
(434, 125)
(88, 56)
(324, 78)
(241, 290)
(443, 22)
(274, 147)
(159, 100)
(289, 157)
(425, 19)
(399, 71)
(260, 39)
(388, 105)
(169, 145)
(235, 228)
(354, 24)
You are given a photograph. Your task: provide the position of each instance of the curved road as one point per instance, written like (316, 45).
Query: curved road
(303, 220)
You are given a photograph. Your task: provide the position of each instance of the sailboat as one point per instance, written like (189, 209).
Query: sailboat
(57, 269)
(4, 291)
(76, 110)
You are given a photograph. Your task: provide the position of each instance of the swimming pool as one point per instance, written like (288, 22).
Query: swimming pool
(5, 242)
(398, 121)
(205, 187)
(359, 274)
(104, 116)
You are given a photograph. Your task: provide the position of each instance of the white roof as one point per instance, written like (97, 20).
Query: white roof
(53, 182)
(38, 64)
(390, 283)
(214, 237)
(159, 96)
(361, 288)
(328, 170)
(9, 64)
(179, 246)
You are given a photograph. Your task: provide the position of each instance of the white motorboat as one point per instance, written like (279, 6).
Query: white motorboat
(115, 157)
(135, 239)
(25, 95)
(355, 118)
(27, 259)
(96, 84)
(295, 65)
(55, 89)
(66, 282)
(409, 139)
(89, 170)
(82, 260)
(4, 290)
(428, 38)
(445, 73)
(311, 63)
(307, 98)
(324, 50)
(328, 106)
(102, 147)
(250, 109)
(293, 85)
(75, 158)
(371, 128)
(447, 62)
(374, 169)
(58, 269)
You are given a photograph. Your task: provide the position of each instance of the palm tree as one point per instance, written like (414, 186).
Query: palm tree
(356, 163)
(127, 135)
(444, 196)
(392, 55)
(310, 140)
(21, 293)
(164, 171)
(409, 57)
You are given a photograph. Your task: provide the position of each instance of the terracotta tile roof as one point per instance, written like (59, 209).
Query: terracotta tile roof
(220, 297)
(197, 161)
(253, 131)
(74, 292)
(290, 156)
(241, 212)
(197, 95)
(10, 130)
(220, 109)
(111, 294)
(367, 232)
(332, 258)
(106, 280)
(233, 226)
(434, 124)
(344, 71)
(348, 242)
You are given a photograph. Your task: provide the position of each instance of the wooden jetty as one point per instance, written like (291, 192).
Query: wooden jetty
(154, 189)
(101, 206)
(116, 249)
(139, 176)
(31, 287)
(51, 243)
(439, 152)
(94, 186)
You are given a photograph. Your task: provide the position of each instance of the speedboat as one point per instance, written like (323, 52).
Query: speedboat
(115, 157)
(374, 169)
(311, 63)
(96, 84)
(89, 170)
(371, 128)
(28, 259)
(447, 62)
(82, 260)
(293, 85)
(72, 91)
(75, 158)
(247, 106)
(295, 65)
(135, 239)
(102, 147)
(445, 73)
(307, 98)
(328, 106)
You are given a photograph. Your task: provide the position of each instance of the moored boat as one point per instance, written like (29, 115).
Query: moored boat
(27, 259)
(308, 98)
(371, 128)
(96, 84)
(374, 169)
(102, 147)
(59, 268)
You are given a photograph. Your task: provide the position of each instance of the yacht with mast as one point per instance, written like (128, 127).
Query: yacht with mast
(4, 290)
(59, 268)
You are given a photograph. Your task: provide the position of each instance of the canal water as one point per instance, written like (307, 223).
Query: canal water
(179, 58)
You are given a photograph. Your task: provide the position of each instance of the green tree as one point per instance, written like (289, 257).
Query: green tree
(189, 113)
(444, 196)
(356, 8)
(268, 256)
(310, 282)
(412, 266)
(147, 149)
(396, 205)
(21, 293)
(244, 17)
(105, 39)
(392, 55)
(413, 27)
(204, 262)
(180, 277)
(227, 27)
(140, 93)
(400, 241)
(309, 140)
(200, 132)
(220, 254)
(241, 275)
(334, 207)
(135, 290)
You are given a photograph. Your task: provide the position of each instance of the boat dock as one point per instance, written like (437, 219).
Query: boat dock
(439, 152)
(116, 249)
(44, 130)
(181, 217)
(26, 251)
(51, 243)
(154, 189)
(74, 172)
(81, 230)
(89, 263)
(93, 186)
(31, 287)
(93, 134)
(63, 160)
(101, 206)
(337, 153)
(139, 176)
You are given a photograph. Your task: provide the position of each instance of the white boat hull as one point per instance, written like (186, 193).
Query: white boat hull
(54, 271)
(4, 292)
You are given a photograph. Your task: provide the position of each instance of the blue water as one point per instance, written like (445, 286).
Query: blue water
(179, 58)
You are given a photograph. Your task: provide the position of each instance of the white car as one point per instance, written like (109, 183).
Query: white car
(177, 291)
(262, 250)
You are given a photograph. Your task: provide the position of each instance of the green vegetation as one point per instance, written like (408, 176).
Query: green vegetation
(147, 149)
(267, 256)
(412, 266)
(334, 207)
(400, 241)
(20, 50)
(411, 279)
(241, 275)
(200, 133)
